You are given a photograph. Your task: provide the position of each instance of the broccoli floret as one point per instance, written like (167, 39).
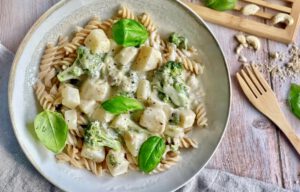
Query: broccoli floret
(180, 41)
(85, 63)
(97, 135)
(123, 123)
(169, 83)
(162, 96)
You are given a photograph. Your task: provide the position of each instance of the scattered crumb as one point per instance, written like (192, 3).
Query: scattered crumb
(242, 59)
(277, 56)
(274, 55)
(286, 65)
(283, 65)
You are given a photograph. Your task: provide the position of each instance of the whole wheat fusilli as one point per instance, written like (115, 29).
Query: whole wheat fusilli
(201, 119)
(170, 160)
(147, 21)
(125, 13)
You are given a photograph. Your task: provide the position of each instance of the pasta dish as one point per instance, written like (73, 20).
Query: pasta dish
(116, 96)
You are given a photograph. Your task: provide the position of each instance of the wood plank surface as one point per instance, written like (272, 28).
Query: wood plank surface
(252, 146)
(290, 160)
(17, 16)
(248, 148)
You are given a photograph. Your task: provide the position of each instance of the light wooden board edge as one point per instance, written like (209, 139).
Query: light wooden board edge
(270, 5)
(294, 29)
(242, 24)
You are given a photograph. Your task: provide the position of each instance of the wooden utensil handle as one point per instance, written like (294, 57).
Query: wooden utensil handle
(290, 133)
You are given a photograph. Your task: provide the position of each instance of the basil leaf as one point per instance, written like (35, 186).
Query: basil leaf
(151, 153)
(294, 99)
(52, 130)
(121, 104)
(220, 5)
(128, 32)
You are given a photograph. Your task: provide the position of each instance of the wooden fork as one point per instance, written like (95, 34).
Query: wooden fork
(263, 98)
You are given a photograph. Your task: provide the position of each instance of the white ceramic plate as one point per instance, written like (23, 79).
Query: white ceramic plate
(171, 16)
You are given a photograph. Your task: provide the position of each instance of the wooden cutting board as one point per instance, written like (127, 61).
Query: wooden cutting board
(258, 24)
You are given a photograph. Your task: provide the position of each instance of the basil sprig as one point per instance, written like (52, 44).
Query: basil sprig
(220, 5)
(52, 130)
(151, 153)
(294, 99)
(121, 104)
(128, 32)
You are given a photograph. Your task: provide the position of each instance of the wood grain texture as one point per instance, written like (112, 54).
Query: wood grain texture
(236, 20)
(239, 22)
(289, 159)
(249, 148)
(17, 16)
(252, 147)
(260, 94)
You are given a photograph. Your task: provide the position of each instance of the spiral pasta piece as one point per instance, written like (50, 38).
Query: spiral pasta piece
(107, 25)
(201, 119)
(170, 160)
(186, 142)
(191, 65)
(156, 42)
(80, 36)
(67, 61)
(183, 53)
(79, 132)
(183, 142)
(45, 99)
(53, 91)
(72, 156)
(60, 52)
(74, 140)
(147, 21)
(46, 70)
(72, 151)
(125, 13)
(92, 166)
(48, 66)
(82, 119)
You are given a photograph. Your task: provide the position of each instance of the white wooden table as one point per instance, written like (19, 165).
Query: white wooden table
(252, 146)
